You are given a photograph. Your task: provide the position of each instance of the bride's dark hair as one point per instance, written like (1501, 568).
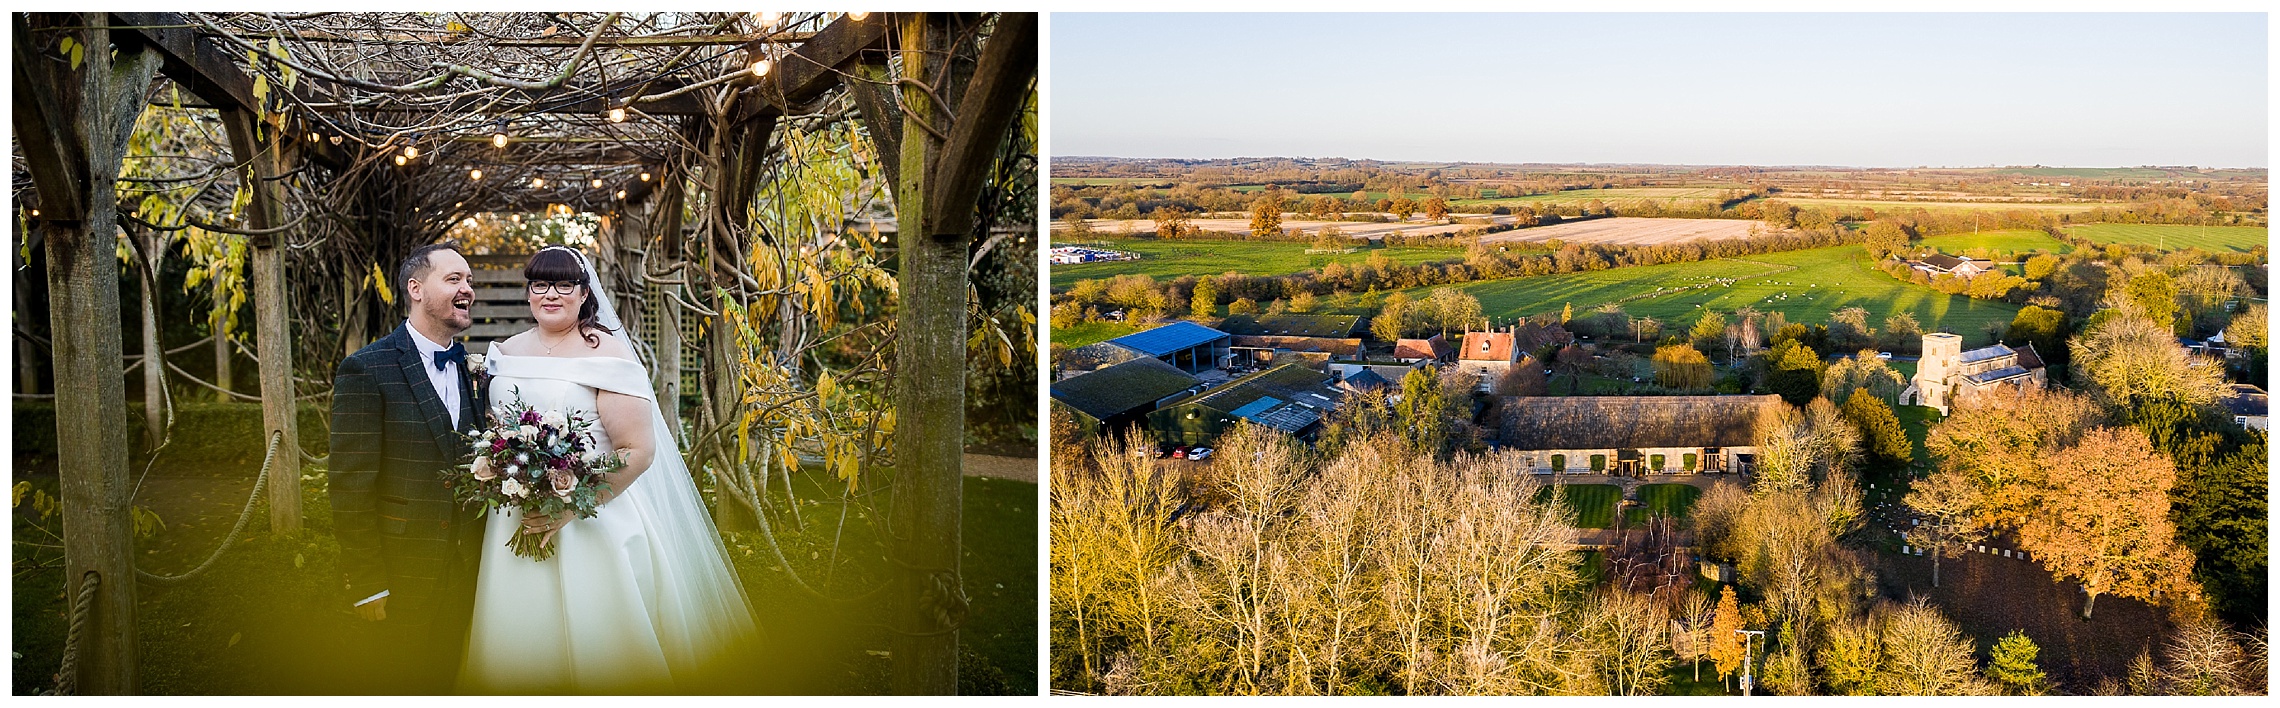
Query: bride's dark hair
(558, 264)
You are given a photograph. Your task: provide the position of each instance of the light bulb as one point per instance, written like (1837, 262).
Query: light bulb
(474, 174)
(597, 183)
(400, 161)
(334, 139)
(411, 153)
(498, 140)
(617, 115)
(768, 19)
(760, 68)
(518, 218)
(537, 182)
(621, 194)
(858, 16)
(35, 212)
(312, 137)
(644, 176)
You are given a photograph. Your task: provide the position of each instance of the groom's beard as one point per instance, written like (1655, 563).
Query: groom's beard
(455, 314)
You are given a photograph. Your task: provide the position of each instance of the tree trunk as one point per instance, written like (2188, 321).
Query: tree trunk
(2089, 600)
(356, 300)
(668, 344)
(272, 338)
(72, 123)
(930, 394)
(1936, 553)
(153, 369)
(221, 364)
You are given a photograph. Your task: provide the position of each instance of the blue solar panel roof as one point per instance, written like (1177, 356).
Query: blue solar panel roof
(1253, 409)
(1168, 338)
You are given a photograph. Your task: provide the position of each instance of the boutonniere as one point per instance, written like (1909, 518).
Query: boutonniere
(477, 369)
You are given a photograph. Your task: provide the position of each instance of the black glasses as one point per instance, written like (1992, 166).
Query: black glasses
(566, 287)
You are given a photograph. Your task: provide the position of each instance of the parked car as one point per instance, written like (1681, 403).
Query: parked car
(1884, 355)
(1163, 451)
(1180, 453)
(1199, 454)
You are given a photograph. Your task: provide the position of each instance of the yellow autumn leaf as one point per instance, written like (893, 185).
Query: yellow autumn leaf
(380, 283)
(824, 386)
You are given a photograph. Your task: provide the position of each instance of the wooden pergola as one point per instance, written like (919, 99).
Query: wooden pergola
(360, 137)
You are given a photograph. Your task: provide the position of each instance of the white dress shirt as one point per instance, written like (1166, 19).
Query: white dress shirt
(446, 382)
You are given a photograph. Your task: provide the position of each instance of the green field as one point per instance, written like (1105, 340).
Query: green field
(2001, 241)
(1165, 260)
(1594, 504)
(1106, 181)
(1080, 334)
(2175, 236)
(1805, 285)
(1672, 500)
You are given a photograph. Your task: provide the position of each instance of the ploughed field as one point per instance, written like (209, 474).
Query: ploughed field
(1417, 225)
(1806, 286)
(1633, 230)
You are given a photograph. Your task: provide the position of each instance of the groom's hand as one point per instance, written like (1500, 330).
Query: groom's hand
(373, 611)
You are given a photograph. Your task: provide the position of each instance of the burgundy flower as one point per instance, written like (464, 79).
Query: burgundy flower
(530, 418)
(498, 444)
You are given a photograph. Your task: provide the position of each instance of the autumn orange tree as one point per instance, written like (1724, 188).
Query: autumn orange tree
(1726, 645)
(2104, 519)
(1266, 214)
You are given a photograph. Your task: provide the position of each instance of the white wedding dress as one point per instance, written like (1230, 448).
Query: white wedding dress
(638, 599)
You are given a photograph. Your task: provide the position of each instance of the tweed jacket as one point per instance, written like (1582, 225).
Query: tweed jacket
(392, 438)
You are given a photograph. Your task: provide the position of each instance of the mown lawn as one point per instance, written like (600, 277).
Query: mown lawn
(1806, 286)
(2176, 236)
(1672, 500)
(1594, 504)
(2001, 241)
(1165, 260)
(1083, 333)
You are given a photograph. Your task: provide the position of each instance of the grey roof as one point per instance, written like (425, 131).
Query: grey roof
(1600, 422)
(1999, 375)
(1169, 338)
(1367, 379)
(2247, 400)
(1123, 388)
(1986, 353)
(1942, 261)
(1288, 397)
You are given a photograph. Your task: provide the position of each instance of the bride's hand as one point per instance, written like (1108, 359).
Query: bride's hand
(548, 525)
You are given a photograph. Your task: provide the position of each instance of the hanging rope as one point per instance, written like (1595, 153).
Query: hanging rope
(67, 676)
(244, 515)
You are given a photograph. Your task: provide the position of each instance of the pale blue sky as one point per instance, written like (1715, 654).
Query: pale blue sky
(1872, 90)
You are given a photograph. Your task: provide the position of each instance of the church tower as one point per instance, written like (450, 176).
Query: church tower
(1937, 370)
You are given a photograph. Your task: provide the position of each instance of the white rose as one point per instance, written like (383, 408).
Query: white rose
(513, 488)
(528, 432)
(482, 469)
(555, 419)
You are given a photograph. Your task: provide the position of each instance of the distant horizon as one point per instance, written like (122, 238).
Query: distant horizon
(1632, 163)
(1914, 89)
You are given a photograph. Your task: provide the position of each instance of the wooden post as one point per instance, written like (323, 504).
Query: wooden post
(261, 162)
(930, 395)
(222, 356)
(72, 113)
(154, 355)
(667, 221)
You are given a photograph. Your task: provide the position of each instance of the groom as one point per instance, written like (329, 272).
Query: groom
(399, 405)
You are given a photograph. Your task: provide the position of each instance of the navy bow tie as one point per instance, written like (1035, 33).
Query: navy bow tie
(457, 352)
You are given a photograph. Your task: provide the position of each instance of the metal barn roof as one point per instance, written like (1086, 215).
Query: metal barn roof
(1169, 338)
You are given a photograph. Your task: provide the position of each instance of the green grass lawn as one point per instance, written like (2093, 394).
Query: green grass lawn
(1083, 333)
(268, 617)
(1165, 260)
(2008, 241)
(1594, 504)
(1672, 500)
(1816, 282)
(2175, 236)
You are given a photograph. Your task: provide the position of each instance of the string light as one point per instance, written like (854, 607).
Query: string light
(858, 16)
(644, 176)
(400, 161)
(596, 180)
(411, 153)
(35, 212)
(537, 182)
(768, 19)
(621, 194)
(760, 68)
(499, 135)
(617, 115)
(474, 174)
(312, 136)
(334, 139)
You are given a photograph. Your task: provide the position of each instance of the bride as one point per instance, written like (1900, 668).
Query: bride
(641, 597)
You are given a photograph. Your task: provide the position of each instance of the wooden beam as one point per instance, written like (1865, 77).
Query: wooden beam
(691, 40)
(208, 71)
(48, 128)
(812, 69)
(262, 160)
(1000, 85)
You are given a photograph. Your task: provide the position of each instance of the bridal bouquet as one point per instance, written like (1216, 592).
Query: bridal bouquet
(539, 462)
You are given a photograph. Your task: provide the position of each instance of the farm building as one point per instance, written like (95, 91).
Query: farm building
(1189, 346)
(1069, 255)
(1943, 264)
(1252, 350)
(1359, 374)
(1110, 399)
(2248, 405)
(1488, 355)
(1330, 326)
(1631, 435)
(1435, 349)
(1946, 374)
(1289, 398)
